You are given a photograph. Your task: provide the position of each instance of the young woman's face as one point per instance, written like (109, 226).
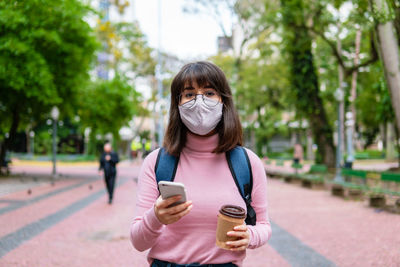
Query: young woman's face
(190, 91)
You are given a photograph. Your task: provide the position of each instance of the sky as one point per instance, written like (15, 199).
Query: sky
(190, 37)
(185, 35)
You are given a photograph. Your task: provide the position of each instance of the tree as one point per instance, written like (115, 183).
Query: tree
(395, 5)
(260, 95)
(265, 34)
(106, 106)
(304, 78)
(127, 45)
(373, 103)
(389, 52)
(46, 49)
(131, 57)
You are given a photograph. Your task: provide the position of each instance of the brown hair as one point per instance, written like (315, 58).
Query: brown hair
(229, 128)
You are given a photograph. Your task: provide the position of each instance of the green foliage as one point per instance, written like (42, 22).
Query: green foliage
(145, 135)
(298, 47)
(46, 49)
(304, 78)
(126, 42)
(43, 142)
(60, 157)
(113, 103)
(384, 12)
(260, 92)
(370, 154)
(106, 106)
(140, 59)
(280, 155)
(373, 103)
(289, 47)
(67, 147)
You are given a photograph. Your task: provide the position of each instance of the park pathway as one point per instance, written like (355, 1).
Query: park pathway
(71, 224)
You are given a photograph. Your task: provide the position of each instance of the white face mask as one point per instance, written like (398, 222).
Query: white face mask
(199, 117)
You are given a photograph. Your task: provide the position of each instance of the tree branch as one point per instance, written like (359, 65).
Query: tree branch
(348, 70)
(374, 57)
(331, 44)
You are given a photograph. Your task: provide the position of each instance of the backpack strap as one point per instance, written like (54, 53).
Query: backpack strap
(166, 166)
(240, 167)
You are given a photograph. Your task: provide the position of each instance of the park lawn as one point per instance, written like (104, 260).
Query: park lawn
(17, 162)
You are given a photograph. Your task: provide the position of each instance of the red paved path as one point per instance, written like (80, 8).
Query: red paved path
(345, 232)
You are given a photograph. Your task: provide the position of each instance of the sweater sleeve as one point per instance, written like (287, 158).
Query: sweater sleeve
(146, 228)
(261, 232)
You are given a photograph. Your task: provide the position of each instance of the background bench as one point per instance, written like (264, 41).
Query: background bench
(294, 175)
(383, 188)
(315, 177)
(354, 183)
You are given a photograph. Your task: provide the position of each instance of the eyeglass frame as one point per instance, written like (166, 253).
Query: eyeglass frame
(195, 99)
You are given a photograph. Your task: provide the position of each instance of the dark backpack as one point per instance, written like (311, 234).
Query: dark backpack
(239, 165)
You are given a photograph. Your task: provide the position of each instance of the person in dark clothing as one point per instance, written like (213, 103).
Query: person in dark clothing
(108, 162)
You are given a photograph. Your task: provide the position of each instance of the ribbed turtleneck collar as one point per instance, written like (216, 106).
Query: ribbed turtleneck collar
(201, 144)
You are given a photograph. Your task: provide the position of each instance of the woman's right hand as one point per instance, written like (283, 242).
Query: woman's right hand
(168, 215)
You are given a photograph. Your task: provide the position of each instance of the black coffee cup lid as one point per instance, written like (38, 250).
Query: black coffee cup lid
(233, 211)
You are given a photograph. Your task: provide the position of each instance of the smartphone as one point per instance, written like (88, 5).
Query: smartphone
(170, 189)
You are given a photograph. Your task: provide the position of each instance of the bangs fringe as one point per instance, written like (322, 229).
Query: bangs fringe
(201, 75)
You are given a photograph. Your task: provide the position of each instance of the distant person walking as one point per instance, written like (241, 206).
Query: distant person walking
(297, 153)
(136, 147)
(108, 162)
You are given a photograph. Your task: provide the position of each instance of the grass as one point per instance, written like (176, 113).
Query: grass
(19, 159)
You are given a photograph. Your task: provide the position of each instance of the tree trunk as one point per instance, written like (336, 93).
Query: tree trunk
(382, 134)
(92, 146)
(341, 104)
(390, 142)
(324, 138)
(397, 142)
(11, 136)
(353, 92)
(396, 9)
(304, 79)
(389, 54)
(309, 150)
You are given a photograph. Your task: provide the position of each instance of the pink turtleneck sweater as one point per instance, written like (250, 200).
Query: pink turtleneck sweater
(209, 184)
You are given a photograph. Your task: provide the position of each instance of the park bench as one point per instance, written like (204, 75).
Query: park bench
(383, 187)
(315, 177)
(354, 183)
(362, 155)
(290, 177)
(275, 173)
(268, 171)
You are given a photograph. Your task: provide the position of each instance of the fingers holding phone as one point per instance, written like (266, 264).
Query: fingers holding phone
(171, 206)
(167, 214)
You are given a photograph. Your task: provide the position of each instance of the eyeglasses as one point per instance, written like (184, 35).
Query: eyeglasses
(210, 98)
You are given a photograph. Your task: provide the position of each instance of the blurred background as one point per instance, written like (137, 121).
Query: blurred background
(316, 84)
(301, 71)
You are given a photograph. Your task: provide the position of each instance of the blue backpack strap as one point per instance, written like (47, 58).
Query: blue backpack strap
(166, 166)
(240, 167)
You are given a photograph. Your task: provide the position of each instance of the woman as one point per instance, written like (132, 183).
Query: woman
(203, 125)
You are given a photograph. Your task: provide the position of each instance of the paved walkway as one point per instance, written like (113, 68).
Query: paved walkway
(70, 224)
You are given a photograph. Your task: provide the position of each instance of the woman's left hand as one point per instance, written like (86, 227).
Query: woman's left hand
(243, 236)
